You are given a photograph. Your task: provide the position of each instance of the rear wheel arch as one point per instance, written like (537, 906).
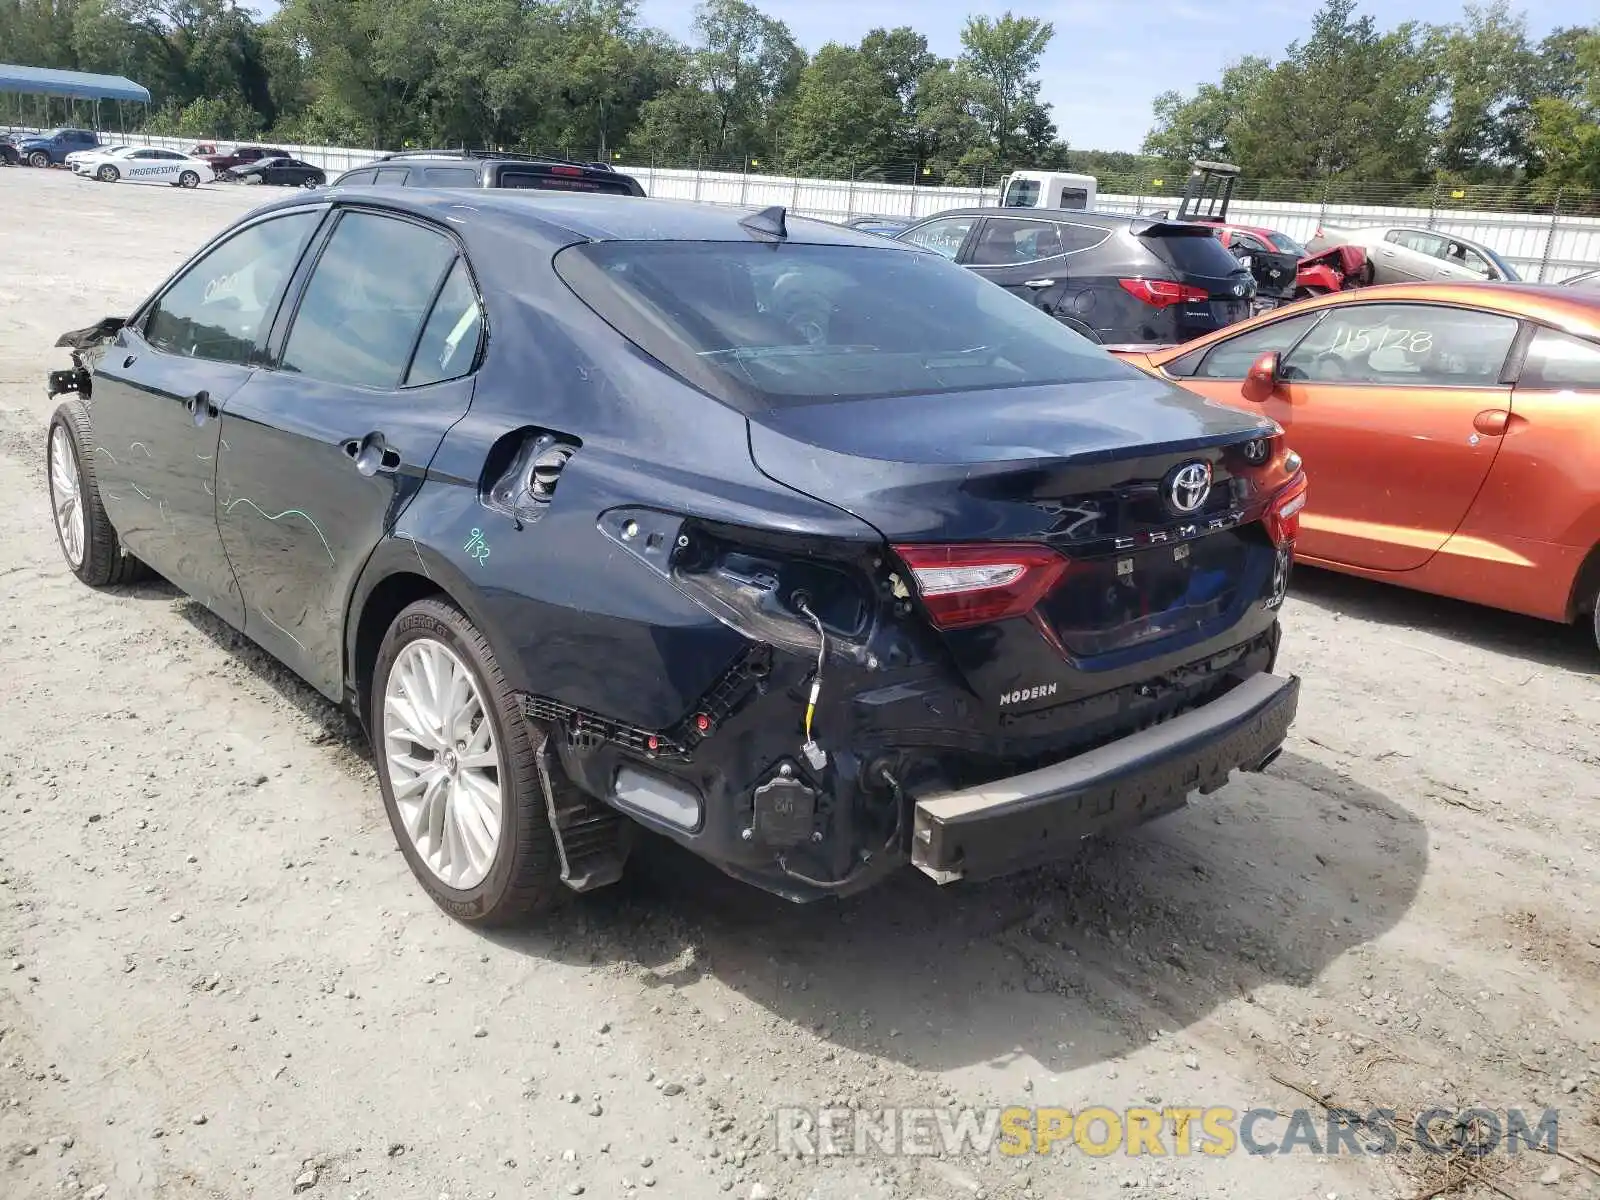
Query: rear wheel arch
(401, 573)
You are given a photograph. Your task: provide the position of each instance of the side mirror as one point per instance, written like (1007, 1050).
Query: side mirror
(1262, 378)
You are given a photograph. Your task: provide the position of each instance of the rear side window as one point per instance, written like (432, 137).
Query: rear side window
(392, 176)
(364, 305)
(1005, 241)
(1559, 361)
(449, 344)
(762, 326)
(450, 177)
(358, 177)
(1193, 253)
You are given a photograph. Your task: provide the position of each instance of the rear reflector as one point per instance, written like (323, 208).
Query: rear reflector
(1283, 516)
(1160, 293)
(976, 584)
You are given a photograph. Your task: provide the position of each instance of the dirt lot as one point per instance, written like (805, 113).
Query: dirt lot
(218, 979)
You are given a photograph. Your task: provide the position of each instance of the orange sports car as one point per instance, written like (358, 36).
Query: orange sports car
(1451, 433)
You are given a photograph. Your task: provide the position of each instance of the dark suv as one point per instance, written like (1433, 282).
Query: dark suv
(1130, 281)
(481, 169)
(798, 546)
(50, 149)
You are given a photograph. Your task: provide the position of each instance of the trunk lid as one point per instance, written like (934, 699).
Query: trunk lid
(1084, 469)
(995, 465)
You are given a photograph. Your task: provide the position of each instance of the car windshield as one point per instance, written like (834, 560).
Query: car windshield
(762, 325)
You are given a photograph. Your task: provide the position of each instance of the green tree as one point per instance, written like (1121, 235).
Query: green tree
(1211, 123)
(1002, 58)
(846, 114)
(1488, 74)
(1566, 131)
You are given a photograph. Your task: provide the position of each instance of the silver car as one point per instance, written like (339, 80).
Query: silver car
(1589, 281)
(1401, 254)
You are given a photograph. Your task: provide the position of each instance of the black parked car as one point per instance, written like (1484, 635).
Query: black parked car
(595, 521)
(279, 172)
(482, 169)
(883, 226)
(10, 156)
(1116, 280)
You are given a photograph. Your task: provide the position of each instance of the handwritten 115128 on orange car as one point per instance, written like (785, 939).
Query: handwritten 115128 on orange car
(1451, 433)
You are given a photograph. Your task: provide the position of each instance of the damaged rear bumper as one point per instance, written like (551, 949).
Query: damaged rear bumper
(1028, 819)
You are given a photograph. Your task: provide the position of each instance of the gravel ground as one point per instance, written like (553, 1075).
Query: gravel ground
(218, 979)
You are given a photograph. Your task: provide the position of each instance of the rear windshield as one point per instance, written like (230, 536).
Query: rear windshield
(763, 325)
(1190, 254)
(522, 177)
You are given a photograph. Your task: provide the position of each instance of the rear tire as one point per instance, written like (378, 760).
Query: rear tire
(95, 555)
(189, 179)
(108, 174)
(429, 744)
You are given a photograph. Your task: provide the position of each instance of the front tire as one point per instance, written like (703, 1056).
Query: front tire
(83, 531)
(108, 174)
(458, 770)
(189, 179)
(39, 159)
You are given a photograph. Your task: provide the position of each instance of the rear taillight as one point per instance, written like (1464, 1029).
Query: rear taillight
(1160, 293)
(972, 585)
(1283, 514)
(566, 170)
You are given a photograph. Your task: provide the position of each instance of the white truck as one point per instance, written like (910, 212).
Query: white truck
(1048, 189)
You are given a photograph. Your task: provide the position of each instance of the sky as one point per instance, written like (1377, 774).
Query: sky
(1109, 58)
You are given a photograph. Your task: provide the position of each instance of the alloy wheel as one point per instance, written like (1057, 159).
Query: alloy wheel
(444, 764)
(66, 495)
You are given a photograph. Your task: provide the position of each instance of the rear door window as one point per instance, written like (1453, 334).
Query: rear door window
(364, 305)
(392, 176)
(1006, 241)
(359, 177)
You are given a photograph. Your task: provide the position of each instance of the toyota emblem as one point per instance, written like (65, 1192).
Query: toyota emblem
(1189, 486)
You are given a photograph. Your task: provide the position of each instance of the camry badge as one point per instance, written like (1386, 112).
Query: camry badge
(1189, 486)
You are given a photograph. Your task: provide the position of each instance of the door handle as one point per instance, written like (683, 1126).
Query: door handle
(1492, 421)
(372, 454)
(1039, 283)
(129, 361)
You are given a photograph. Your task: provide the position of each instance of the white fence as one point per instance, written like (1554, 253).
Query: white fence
(1540, 246)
